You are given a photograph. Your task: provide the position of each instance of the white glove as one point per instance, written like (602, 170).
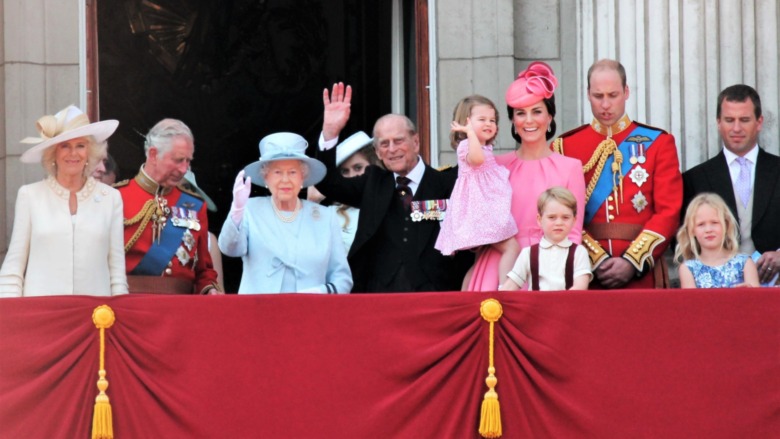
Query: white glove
(241, 189)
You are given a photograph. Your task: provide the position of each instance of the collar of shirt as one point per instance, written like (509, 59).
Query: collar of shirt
(731, 161)
(415, 175)
(544, 243)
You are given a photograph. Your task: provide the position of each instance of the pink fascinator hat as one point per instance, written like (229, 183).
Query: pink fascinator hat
(533, 84)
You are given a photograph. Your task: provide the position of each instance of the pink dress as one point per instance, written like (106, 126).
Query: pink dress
(478, 211)
(529, 178)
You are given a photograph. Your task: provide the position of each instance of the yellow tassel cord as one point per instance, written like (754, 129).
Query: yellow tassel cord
(490, 419)
(102, 427)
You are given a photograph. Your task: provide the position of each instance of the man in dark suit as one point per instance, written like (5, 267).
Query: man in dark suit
(745, 176)
(393, 250)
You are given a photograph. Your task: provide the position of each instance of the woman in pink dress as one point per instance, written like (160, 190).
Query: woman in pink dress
(533, 167)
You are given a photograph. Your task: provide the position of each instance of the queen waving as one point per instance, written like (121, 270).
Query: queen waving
(286, 244)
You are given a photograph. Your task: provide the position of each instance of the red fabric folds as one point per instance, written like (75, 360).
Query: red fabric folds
(640, 364)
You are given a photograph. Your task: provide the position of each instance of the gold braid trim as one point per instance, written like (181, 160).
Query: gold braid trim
(606, 148)
(144, 215)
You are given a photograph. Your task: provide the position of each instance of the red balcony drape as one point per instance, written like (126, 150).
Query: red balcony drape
(620, 364)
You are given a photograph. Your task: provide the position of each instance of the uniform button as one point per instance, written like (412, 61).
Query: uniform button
(644, 239)
(405, 239)
(636, 251)
(610, 198)
(168, 271)
(170, 263)
(406, 229)
(611, 217)
(611, 207)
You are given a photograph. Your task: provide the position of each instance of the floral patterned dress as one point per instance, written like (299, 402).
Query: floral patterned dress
(723, 276)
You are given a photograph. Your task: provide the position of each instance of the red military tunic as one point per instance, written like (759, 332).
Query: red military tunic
(192, 260)
(637, 221)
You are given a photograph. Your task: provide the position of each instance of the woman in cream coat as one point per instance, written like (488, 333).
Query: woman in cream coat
(68, 232)
(286, 244)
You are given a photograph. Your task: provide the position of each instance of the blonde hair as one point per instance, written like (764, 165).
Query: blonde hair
(559, 194)
(95, 153)
(687, 246)
(462, 112)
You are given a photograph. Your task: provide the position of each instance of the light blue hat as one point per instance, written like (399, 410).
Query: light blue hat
(285, 146)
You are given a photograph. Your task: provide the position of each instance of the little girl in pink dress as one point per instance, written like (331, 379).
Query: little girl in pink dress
(478, 212)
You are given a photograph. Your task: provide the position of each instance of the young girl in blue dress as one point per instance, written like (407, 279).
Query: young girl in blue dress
(707, 246)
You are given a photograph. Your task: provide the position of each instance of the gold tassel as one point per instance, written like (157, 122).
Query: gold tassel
(490, 419)
(102, 426)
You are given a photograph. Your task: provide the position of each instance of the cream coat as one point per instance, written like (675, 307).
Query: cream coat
(54, 253)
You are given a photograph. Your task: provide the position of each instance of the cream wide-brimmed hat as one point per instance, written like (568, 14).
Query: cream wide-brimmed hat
(285, 146)
(69, 123)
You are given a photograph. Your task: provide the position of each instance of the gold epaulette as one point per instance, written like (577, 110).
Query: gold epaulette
(557, 145)
(640, 252)
(596, 252)
(119, 184)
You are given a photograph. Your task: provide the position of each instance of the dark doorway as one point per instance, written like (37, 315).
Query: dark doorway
(235, 71)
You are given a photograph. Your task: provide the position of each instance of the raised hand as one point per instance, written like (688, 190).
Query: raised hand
(455, 126)
(337, 105)
(241, 190)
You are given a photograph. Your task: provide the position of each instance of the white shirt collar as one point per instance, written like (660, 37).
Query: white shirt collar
(544, 243)
(752, 155)
(415, 174)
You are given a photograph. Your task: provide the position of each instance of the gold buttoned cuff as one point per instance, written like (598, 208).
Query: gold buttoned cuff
(640, 252)
(596, 252)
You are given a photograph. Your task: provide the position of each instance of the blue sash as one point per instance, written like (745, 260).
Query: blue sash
(156, 259)
(604, 185)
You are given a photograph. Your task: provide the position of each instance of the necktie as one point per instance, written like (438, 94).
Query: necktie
(743, 181)
(404, 191)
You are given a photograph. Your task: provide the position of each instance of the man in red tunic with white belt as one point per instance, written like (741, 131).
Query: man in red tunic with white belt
(634, 186)
(166, 226)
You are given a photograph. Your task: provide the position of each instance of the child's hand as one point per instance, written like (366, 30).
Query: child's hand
(455, 126)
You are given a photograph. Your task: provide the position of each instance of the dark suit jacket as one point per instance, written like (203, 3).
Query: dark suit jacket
(713, 176)
(373, 194)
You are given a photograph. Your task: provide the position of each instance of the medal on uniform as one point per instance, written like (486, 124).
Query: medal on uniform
(639, 175)
(188, 239)
(183, 255)
(639, 201)
(633, 160)
(428, 210)
(639, 142)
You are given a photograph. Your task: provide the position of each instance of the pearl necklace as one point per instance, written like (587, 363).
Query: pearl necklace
(286, 218)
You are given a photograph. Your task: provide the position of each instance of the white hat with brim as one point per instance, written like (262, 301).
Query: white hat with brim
(351, 145)
(285, 146)
(69, 123)
(190, 177)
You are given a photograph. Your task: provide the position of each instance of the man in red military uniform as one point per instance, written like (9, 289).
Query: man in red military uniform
(166, 227)
(634, 186)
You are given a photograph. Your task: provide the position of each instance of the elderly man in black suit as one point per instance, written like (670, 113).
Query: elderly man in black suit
(399, 206)
(745, 176)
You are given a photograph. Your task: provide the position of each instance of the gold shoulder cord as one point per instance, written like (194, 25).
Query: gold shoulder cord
(599, 158)
(144, 215)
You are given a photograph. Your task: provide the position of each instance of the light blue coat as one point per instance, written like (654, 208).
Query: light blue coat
(301, 256)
